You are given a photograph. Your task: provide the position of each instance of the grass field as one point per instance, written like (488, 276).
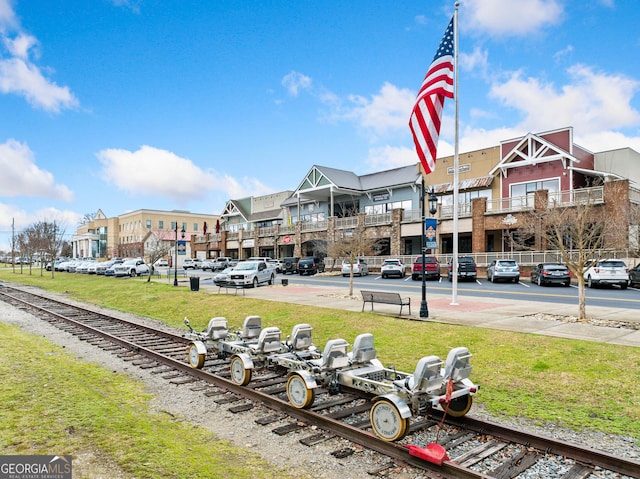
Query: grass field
(570, 383)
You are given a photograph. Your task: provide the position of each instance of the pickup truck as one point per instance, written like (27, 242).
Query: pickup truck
(467, 269)
(131, 267)
(252, 273)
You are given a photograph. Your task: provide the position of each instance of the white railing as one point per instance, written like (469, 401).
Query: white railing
(377, 219)
(313, 226)
(581, 196)
(516, 203)
(634, 195)
(348, 222)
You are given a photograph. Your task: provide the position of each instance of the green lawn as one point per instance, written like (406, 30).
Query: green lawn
(569, 383)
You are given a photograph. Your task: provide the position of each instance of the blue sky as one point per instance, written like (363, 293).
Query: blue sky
(177, 104)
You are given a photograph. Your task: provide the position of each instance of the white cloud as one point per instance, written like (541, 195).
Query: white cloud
(389, 157)
(26, 79)
(509, 18)
(22, 177)
(20, 76)
(294, 82)
(151, 171)
(19, 219)
(386, 112)
(477, 60)
(591, 101)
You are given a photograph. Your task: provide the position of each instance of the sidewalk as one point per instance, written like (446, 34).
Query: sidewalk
(613, 325)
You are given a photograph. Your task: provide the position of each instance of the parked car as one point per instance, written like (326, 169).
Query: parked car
(290, 265)
(102, 267)
(161, 263)
(276, 263)
(431, 268)
(220, 263)
(222, 277)
(310, 265)
(506, 269)
(467, 269)
(550, 273)
(634, 275)
(393, 267)
(360, 268)
(252, 273)
(192, 263)
(606, 272)
(131, 267)
(206, 265)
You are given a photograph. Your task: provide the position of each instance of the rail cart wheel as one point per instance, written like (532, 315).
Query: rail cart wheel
(239, 375)
(387, 422)
(460, 406)
(196, 359)
(300, 396)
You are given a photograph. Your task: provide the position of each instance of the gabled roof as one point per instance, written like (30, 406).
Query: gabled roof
(234, 208)
(321, 180)
(530, 150)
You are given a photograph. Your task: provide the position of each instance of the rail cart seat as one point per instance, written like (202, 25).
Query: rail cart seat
(427, 376)
(363, 349)
(251, 327)
(268, 341)
(334, 355)
(457, 366)
(301, 338)
(217, 328)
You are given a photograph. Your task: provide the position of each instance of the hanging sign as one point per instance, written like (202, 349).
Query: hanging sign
(430, 226)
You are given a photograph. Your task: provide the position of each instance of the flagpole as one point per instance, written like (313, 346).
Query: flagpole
(454, 259)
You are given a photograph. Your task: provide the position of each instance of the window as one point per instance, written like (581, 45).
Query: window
(184, 226)
(173, 225)
(382, 208)
(195, 226)
(161, 224)
(524, 189)
(148, 224)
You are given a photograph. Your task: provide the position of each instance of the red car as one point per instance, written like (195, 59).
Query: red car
(431, 268)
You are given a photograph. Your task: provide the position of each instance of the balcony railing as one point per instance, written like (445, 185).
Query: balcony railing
(313, 226)
(377, 219)
(515, 203)
(348, 222)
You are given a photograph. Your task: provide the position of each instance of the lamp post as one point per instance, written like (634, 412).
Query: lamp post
(433, 207)
(175, 263)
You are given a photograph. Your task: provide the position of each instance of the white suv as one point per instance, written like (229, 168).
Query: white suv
(606, 271)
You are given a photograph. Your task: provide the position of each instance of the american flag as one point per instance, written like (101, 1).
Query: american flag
(427, 112)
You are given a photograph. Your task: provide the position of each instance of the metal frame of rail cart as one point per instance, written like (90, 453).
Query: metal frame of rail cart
(398, 395)
(249, 347)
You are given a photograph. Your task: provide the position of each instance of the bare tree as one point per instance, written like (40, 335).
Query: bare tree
(349, 246)
(578, 232)
(41, 240)
(155, 247)
(87, 218)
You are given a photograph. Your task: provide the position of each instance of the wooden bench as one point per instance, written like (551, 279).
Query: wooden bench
(384, 297)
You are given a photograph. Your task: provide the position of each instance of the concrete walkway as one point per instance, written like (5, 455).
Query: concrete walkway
(611, 325)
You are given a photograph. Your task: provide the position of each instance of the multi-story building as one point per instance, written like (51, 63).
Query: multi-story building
(496, 187)
(125, 235)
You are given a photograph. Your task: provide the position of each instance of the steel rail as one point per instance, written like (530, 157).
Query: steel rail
(582, 454)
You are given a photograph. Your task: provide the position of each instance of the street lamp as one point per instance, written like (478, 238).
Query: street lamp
(175, 263)
(433, 207)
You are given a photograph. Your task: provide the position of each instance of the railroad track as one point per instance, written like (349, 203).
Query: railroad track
(478, 449)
